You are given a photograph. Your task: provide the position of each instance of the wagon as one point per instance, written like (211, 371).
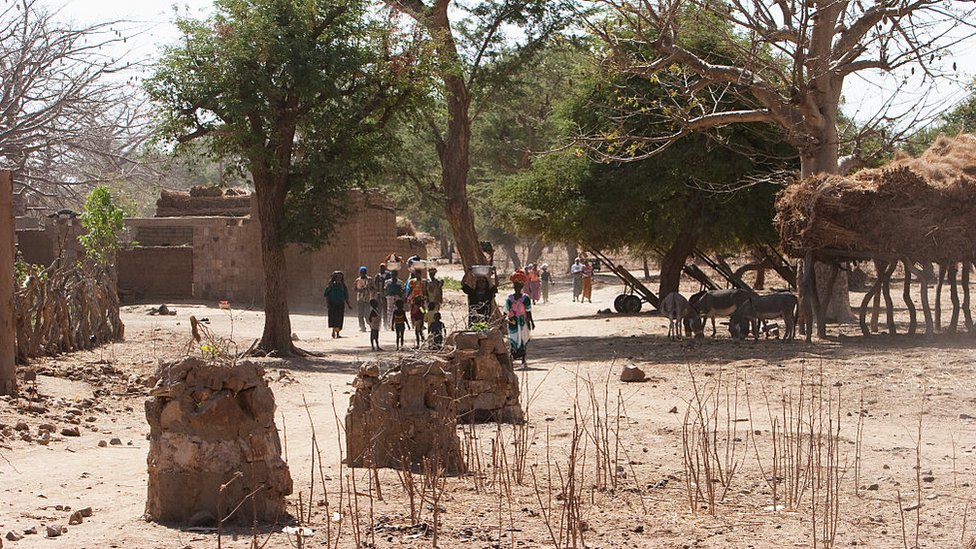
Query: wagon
(635, 293)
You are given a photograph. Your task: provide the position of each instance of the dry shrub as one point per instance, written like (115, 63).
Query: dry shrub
(916, 207)
(405, 227)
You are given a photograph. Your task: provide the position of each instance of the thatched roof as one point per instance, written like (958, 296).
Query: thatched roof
(921, 208)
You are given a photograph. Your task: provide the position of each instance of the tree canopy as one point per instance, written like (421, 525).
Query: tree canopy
(299, 93)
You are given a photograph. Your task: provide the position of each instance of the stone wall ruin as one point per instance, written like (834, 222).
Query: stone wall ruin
(212, 425)
(407, 411)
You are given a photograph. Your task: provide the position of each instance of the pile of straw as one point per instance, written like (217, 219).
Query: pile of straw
(922, 208)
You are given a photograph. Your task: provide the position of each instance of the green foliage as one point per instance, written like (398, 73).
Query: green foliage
(694, 187)
(451, 283)
(104, 221)
(295, 92)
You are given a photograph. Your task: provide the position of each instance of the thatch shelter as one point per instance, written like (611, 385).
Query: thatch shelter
(913, 210)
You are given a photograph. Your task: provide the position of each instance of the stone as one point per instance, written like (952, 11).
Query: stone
(71, 432)
(55, 530)
(102, 443)
(75, 518)
(21, 426)
(30, 531)
(210, 424)
(203, 518)
(13, 536)
(115, 441)
(874, 487)
(86, 512)
(674, 410)
(631, 373)
(49, 427)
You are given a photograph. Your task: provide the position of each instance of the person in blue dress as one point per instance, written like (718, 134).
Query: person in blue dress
(337, 301)
(518, 312)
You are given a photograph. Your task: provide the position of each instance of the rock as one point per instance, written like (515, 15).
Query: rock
(30, 531)
(912, 507)
(965, 416)
(55, 530)
(71, 432)
(673, 410)
(639, 529)
(874, 487)
(928, 478)
(13, 536)
(21, 426)
(631, 373)
(49, 427)
(75, 518)
(102, 443)
(30, 375)
(86, 512)
(115, 441)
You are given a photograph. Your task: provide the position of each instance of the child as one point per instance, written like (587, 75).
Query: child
(417, 317)
(375, 321)
(399, 321)
(436, 329)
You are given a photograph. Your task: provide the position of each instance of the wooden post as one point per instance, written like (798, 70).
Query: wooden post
(8, 370)
(954, 297)
(889, 304)
(967, 314)
(873, 292)
(907, 296)
(928, 275)
(938, 297)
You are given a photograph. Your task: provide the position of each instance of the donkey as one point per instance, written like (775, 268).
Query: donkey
(678, 310)
(765, 307)
(717, 303)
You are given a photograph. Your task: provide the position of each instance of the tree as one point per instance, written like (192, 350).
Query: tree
(68, 117)
(473, 61)
(299, 93)
(104, 222)
(790, 62)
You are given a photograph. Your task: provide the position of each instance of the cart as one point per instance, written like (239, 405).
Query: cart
(635, 293)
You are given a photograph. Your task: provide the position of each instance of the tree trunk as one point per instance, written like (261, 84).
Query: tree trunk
(647, 268)
(675, 257)
(454, 149)
(512, 254)
(8, 329)
(839, 299)
(573, 252)
(536, 246)
(270, 196)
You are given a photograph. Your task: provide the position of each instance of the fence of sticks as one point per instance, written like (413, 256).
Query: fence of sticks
(66, 308)
(916, 212)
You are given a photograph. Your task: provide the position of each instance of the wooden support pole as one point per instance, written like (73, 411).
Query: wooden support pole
(889, 304)
(907, 296)
(967, 314)
(873, 292)
(8, 370)
(822, 306)
(808, 295)
(954, 297)
(938, 297)
(928, 275)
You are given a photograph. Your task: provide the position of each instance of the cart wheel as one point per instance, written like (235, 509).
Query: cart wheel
(633, 304)
(619, 303)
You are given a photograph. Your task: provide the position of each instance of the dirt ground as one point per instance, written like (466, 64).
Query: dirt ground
(640, 500)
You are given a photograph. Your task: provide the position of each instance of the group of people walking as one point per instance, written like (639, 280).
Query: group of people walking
(383, 301)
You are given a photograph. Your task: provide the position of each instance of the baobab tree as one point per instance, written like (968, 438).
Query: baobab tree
(788, 67)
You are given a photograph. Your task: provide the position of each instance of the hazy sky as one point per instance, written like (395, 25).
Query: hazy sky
(864, 93)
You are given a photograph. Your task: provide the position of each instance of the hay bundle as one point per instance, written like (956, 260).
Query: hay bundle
(182, 204)
(922, 208)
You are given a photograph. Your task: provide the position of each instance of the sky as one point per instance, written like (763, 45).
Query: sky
(864, 93)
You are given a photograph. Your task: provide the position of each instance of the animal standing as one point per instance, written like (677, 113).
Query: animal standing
(716, 303)
(677, 309)
(764, 307)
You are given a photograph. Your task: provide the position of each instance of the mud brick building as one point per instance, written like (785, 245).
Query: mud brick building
(217, 257)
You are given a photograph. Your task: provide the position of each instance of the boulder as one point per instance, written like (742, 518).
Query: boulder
(632, 373)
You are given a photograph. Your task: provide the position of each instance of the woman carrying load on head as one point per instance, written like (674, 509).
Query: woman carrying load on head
(518, 313)
(480, 284)
(336, 301)
(533, 286)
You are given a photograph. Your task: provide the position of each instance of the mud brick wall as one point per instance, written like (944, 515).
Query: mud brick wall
(225, 262)
(149, 235)
(155, 272)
